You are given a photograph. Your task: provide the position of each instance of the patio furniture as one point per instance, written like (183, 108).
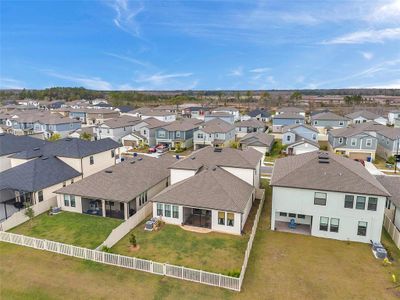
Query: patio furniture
(292, 224)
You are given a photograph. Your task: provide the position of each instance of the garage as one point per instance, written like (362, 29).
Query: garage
(360, 155)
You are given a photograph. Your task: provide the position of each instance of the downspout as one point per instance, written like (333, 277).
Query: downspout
(82, 167)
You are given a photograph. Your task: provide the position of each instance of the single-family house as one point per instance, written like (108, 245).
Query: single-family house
(161, 115)
(178, 133)
(223, 116)
(260, 114)
(285, 119)
(117, 192)
(365, 116)
(290, 110)
(392, 205)
(299, 139)
(388, 141)
(261, 142)
(143, 132)
(117, 128)
(326, 121)
(228, 110)
(248, 126)
(216, 133)
(195, 112)
(99, 115)
(392, 116)
(327, 195)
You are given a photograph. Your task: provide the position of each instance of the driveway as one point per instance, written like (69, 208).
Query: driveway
(372, 169)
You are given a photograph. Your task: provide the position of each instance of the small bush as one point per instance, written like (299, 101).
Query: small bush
(105, 249)
(132, 240)
(391, 160)
(233, 273)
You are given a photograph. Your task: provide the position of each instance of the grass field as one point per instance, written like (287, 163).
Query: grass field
(70, 228)
(281, 266)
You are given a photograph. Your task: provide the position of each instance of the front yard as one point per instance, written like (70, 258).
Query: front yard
(70, 228)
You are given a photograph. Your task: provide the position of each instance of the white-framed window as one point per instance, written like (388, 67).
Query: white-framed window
(353, 142)
(320, 198)
(348, 201)
(175, 212)
(360, 202)
(91, 159)
(297, 121)
(167, 210)
(66, 200)
(200, 135)
(40, 196)
(341, 123)
(230, 219)
(161, 133)
(314, 136)
(72, 201)
(221, 218)
(362, 228)
(334, 225)
(340, 140)
(159, 209)
(368, 142)
(372, 203)
(323, 223)
(315, 122)
(178, 134)
(288, 138)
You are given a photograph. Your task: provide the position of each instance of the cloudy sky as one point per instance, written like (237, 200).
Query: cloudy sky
(164, 45)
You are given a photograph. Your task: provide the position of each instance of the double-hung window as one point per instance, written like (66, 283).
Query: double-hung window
(283, 214)
(91, 160)
(372, 203)
(353, 142)
(348, 201)
(319, 198)
(175, 212)
(334, 225)
(66, 200)
(368, 142)
(168, 210)
(72, 199)
(40, 196)
(323, 223)
(159, 209)
(230, 217)
(360, 203)
(221, 218)
(112, 153)
(362, 228)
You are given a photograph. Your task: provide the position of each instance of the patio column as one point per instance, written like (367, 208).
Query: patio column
(103, 207)
(126, 215)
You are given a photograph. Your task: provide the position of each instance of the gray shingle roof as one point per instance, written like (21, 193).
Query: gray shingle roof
(228, 157)
(256, 138)
(126, 181)
(253, 123)
(341, 174)
(10, 143)
(286, 128)
(121, 121)
(37, 174)
(154, 123)
(354, 129)
(217, 126)
(392, 185)
(329, 116)
(390, 132)
(289, 115)
(212, 188)
(256, 112)
(362, 113)
(182, 125)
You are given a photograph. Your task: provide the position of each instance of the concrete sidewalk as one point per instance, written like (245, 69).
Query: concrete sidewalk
(372, 169)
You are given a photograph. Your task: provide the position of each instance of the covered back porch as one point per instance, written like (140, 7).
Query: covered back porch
(294, 223)
(197, 217)
(12, 201)
(110, 209)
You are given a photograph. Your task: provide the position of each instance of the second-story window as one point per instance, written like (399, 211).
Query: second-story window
(360, 202)
(353, 142)
(348, 201)
(320, 198)
(372, 203)
(340, 140)
(368, 142)
(341, 123)
(91, 160)
(178, 134)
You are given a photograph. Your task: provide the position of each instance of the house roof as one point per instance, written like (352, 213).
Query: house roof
(232, 109)
(289, 115)
(124, 108)
(256, 112)
(290, 127)
(302, 140)
(154, 123)
(10, 143)
(217, 125)
(121, 121)
(354, 129)
(124, 181)
(329, 116)
(219, 115)
(290, 110)
(69, 147)
(259, 138)
(157, 113)
(341, 174)
(251, 123)
(212, 188)
(182, 125)
(363, 113)
(392, 185)
(37, 174)
(390, 132)
(224, 157)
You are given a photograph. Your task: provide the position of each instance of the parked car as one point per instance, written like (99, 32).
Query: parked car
(360, 161)
(162, 149)
(152, 150)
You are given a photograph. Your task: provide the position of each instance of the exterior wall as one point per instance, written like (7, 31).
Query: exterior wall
(277, 124)
(301, 201)
(179, 175)
(78, 202)
(17, 161)
(332, 123)
(171, 220)
(247, 209)
(208, 139)
(392, 116)
(235, 229)
(386, 146)
(5, 162)
(288, 138)
(166, 118)
(116, 134)
(304, 148)
(229, 118)
(244, 174)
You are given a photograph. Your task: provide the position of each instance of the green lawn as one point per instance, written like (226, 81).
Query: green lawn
(214, 252)
(70, 228)
(281, 266)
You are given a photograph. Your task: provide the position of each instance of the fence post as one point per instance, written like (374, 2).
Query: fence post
(164, 269)
(219, 280)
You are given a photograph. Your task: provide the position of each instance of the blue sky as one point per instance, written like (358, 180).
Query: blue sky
(165, 45)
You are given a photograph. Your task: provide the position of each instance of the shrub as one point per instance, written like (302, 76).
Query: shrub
(391, 160)
(233, 273)
(105, 249)
(132, 240)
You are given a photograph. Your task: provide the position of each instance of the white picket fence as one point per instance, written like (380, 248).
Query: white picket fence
(179, 272)
(392, 230)
(124, 228)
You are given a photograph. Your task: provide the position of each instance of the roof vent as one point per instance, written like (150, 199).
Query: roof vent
(132, 162)
(217, 149)
(214, 168)
(45, 157)
(140, 158)
(193, 158)
(323, 157)
(109, 171)
(36, 149)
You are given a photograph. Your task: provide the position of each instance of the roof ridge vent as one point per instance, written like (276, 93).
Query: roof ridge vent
(193, 158)
(45, 157)
(36, 149)
(108, 171)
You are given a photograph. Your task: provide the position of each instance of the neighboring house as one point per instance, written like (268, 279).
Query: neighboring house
(300, 138)
(144, 131)
(285, 119)
(124, 109)
(260, 114)
(216, 133)
(388, 141)
(358, 141)
(223, 116)
(11, 144)
(213, 188)
(326, 121)
(90, 130)
(195, 112)
(392, 116)
(98, 116)
(392, 185)
(161, 115)
(178, 133)
(261, 142)
(228, 110)
(326, 195)
(248, 126)
(397, 123)
(115, 192)
(116, 128)
(290, 110)
(365, 116)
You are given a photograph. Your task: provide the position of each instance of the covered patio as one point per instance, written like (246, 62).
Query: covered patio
(197, 217)
(12, 201)
(304, 229)
(110, 209)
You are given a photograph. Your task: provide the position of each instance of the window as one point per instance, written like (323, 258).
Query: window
(288, 138)
(40, 196)
(124, 129)
(91, 160)
(159, 209)
(301, 216)
(167, 210)
(323, 223)
(315, 122)
(283, 214)
(112, 153)
(144, 131)
(178, 134)
(161, 133)
(353, 142)
(340, 140)
(387, 204)
(64, 184)
(314, 136)
(66, 200)
(72, 181)
(73, 203)
(334, 225)
(292, 215)
(221, 218)
(372, 203)
(320, 198)
(200, 135)
(230, 219)
(297, 121)
(175, 212)
(341, 123)
(362, 228)
(360, 203)
(348, 201)
(368, 142)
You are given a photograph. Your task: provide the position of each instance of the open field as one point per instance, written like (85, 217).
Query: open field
(282, 266)
(70, 228)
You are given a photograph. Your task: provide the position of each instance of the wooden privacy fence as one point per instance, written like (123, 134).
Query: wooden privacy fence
(392, 230)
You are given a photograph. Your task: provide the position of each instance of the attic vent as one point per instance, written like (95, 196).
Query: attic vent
(323, 157)
(217, 149)
(44, 158)
(214, 168)
(132, 162)
(109, 171)
(36, 149)
(193, 158)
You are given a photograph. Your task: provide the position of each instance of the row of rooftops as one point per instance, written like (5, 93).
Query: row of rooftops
(371, 126)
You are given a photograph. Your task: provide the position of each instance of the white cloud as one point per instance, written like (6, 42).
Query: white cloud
(129, 59)
(236, 72)
(367, 55)
(94, 83)
(10, 83)
(367, 36)
(160, 78)
(126, 14)
(387, 85)
(389, 12)
(259, 70)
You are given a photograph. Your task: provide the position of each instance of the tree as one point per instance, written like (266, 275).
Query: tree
(132, 240)
(265, 96)
(296, 96)
(29, 213)
(249, 98)
(54, 137)
(86, 136)
(238, 98)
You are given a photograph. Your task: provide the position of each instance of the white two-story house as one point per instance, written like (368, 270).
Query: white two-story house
(216, 133)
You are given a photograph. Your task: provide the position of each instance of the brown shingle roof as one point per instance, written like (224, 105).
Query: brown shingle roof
(251, 123)
(340, 174)
(154, 123)
(122, 121)
(362, 113)
(329, 116)
(392, 185)
(354, 129)
(182, 125)
(286, 128)
(216, 126)
(212, 188)
(263, 138)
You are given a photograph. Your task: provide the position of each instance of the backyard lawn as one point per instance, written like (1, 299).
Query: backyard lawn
(281, 266)
(276, 152)
(70, 228)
